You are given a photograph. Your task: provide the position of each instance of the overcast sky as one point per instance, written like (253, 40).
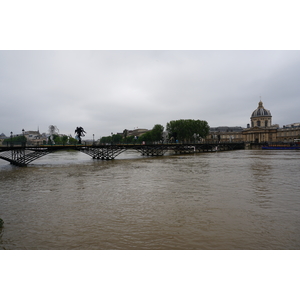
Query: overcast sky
(108, 91)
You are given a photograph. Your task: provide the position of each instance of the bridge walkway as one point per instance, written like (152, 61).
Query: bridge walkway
(23, 155)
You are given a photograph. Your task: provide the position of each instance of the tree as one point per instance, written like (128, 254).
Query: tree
(146, 137)
(56, 139)
(64, 139)
(125, 133)
(16, 140)
(105, 140)
(72, 140)
(187, 130)
(157, 133)
(116, 138)
(130, 139)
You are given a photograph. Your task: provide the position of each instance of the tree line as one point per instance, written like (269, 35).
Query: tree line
(183, 130)
(154, 135)
(56, 140)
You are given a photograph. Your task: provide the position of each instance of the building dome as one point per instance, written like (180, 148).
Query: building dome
(261, 111)
(261, 117)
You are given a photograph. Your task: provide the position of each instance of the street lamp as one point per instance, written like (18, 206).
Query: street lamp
(93, 139)
(11, 133)
(23, 131)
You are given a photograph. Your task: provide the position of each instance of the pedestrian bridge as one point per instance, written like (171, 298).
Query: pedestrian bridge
(23, 155)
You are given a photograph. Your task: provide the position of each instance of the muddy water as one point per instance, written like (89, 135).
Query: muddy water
(226, 200)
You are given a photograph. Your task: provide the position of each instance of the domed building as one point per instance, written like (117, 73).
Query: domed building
(261, 129)
(261, 117)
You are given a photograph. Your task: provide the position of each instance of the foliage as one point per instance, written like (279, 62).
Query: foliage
(154, 135)
(115, 139)
(146, 137)
(187, 130)
(57, 139)
(105, 140)
(72, 140)
(157, 133)
(130, 139)
(62, 140)
(17, 140)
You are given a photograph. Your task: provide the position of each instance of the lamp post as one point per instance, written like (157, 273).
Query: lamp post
(93, 139)
(11, 133)
(23, 142)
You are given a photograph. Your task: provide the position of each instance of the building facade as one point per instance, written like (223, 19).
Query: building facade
(261, 130)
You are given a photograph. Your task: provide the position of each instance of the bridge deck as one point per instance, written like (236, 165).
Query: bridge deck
(22, 156)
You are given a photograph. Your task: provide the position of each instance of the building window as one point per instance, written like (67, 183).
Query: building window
(258, 123)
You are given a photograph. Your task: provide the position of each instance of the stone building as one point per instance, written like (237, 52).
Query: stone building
(289, 133)
(35, 137)
(226, 134)
(2, 138)
(261, 130)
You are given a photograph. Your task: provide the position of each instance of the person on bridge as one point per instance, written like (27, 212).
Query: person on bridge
(80, 132)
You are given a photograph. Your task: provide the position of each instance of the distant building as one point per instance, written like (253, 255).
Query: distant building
(34, 137)
(2, 138)
(226, 134)
(135, 132)
(261, 130)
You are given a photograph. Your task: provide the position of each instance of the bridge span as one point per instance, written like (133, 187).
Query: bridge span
(23, 155)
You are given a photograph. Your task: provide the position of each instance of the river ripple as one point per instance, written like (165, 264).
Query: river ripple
(247, 199)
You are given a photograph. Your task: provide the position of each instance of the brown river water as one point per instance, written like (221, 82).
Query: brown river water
(247, 199)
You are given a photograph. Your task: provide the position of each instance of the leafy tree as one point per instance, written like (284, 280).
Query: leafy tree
(16, 140)
(130, 139)
(57, 139)
(116, 138)
(157, 133)
(146, 137)
(64, 139)
(72, 140)
(105, 140)
(186, 130)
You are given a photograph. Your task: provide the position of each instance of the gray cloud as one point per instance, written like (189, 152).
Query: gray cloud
(108, 91)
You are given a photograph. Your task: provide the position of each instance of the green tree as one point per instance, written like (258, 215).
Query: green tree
(130, 139)
(157, 133)
(57, 139)
(117, 138)
(105, 140)
(16, 140)
(187, 130)
(146, 137)
(72, 140)
(64, 139)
